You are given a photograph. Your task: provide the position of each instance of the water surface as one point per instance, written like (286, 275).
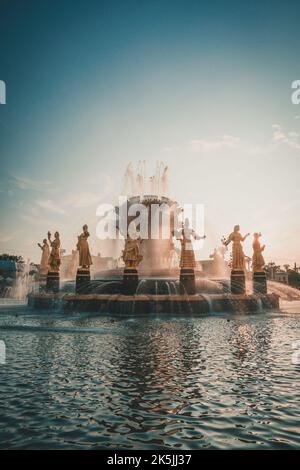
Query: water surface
(77, 381)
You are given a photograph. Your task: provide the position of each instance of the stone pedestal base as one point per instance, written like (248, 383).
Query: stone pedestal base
(187, 281)
(42, 282)
(83, 278)
(130, 281)
(52, 284)
(259, 282)
(238, 285)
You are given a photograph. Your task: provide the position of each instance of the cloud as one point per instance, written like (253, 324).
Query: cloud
(202, 145)
(291, 139)
(83, 199)
(36, 221)
(230, 142)
(88, 198)
(6, 238)
(51, 206)
(171, 149)
(206, 145)
(25, 183)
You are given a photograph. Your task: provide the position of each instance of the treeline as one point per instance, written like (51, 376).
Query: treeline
(15, 258)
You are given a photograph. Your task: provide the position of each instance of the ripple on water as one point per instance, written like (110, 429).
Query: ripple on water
(86, 382)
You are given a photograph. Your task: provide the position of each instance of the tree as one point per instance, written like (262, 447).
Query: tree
(15, 258)
(271, 268)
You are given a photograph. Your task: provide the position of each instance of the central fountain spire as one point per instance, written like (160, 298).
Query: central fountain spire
(136, 183)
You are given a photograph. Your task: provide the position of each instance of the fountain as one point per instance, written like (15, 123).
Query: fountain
(150, 281)
(16, 279)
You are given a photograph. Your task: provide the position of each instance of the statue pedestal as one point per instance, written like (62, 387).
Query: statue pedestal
(52, 283)
(42, 282)
(130, 281)
(83, 278)
(237, 280)
(259, 282)
(187, 281)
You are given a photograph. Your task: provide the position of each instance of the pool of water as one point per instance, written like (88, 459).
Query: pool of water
(77, 381)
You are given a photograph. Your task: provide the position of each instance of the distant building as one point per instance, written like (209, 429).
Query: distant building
(281, 276)
(102, 263)
(69, 264)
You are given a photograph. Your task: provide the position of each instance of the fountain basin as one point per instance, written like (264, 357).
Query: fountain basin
(145, 304)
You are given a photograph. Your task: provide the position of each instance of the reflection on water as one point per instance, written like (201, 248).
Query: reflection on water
(79, 381)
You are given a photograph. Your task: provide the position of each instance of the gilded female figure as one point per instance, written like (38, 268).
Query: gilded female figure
(131, 253)
(185, 236)
(54, 259)
(258, 261)
(85, 259)
(238, 257)
(44, 264)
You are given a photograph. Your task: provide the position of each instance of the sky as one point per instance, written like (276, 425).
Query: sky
(203, 86)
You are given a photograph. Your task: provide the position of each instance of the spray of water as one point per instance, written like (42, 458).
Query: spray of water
(284, 291)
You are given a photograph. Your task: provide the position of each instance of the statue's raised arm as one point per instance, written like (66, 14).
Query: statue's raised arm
(244, 238)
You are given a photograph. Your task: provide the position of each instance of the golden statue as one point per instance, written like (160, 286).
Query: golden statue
(85, 259)
(238, 257)
(54, 259)
(44, 264)
(185, 235)
(258, 261)
(131, 253)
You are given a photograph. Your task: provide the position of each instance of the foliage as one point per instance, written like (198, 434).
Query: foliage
(15, 258)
